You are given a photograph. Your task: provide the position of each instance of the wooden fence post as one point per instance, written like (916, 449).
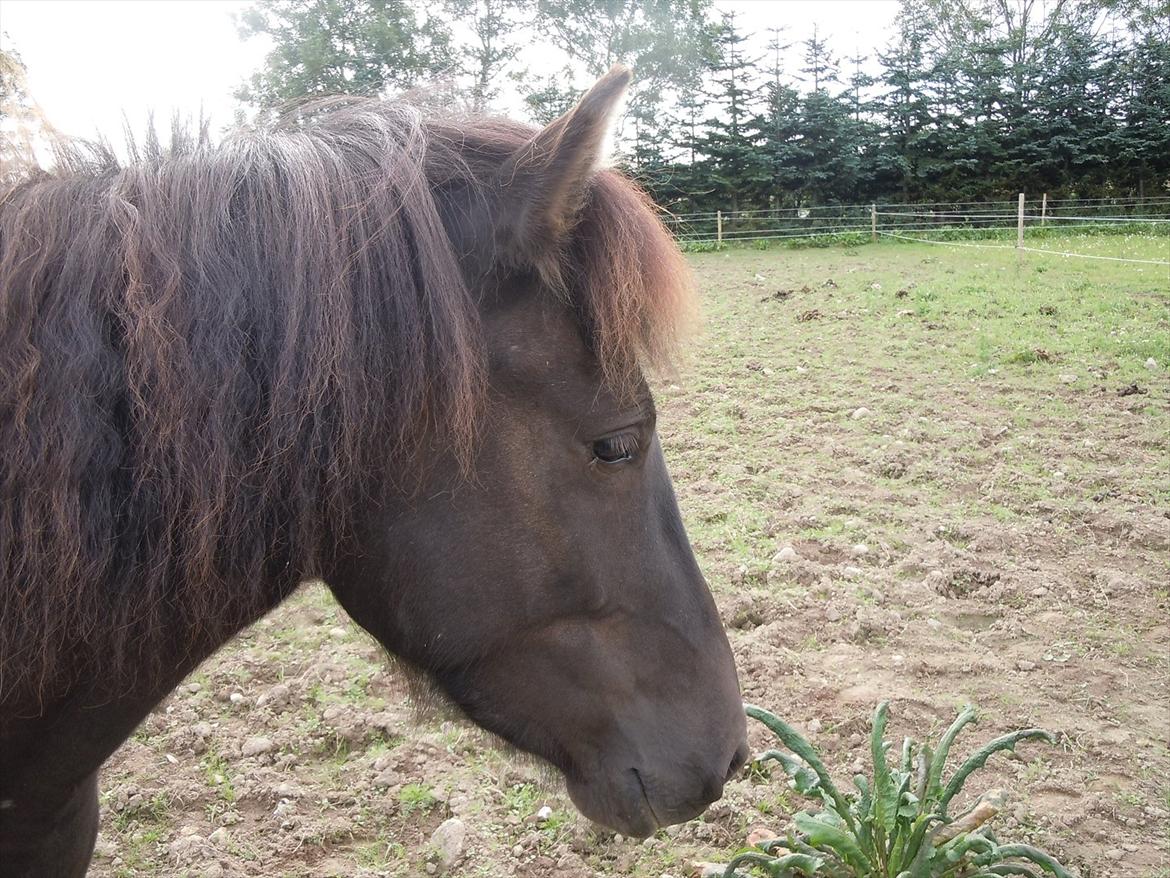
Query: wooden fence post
(719, 226)
(1044, 209)
(873, 222)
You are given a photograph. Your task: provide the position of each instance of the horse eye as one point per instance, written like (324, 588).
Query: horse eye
(616, 449)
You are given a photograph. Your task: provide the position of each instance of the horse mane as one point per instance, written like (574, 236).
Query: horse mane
(206, 352)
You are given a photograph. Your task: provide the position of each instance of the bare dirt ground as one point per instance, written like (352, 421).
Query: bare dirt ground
(969, 459)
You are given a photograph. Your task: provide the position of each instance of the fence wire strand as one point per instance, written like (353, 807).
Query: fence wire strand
(1024, 249)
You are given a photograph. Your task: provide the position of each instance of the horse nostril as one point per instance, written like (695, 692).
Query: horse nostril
(737, 761)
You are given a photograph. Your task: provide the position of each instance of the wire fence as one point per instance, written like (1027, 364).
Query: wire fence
(942, 221)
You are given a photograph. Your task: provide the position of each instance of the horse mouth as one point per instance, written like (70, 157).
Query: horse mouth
(646, 799)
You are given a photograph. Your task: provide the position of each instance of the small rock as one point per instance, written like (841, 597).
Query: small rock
(448, 840)
(1039, 592)
(1025, 665)
(851, 572)
(1151, 363)
(103, 849)
(544, 813)
(860, 413)
(787, 553)
(387, 777)
(430, 868)
(860, 549)
(338, 633)
(814, 726)
(832, 614)
(193, 687)
(518, 850)
(256, 746)
(759, 834)
(284, 808)
(709, 870)
(1068, 378)
(618, 838)
(219, 837)
(237, 698)
(277, 696)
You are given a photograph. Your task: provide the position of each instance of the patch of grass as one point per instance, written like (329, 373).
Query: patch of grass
(521, 799)
(380, 854)
(217, 772)
(155, 810)
(416, 797)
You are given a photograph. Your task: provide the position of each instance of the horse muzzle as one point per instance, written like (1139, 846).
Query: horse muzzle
(637, 801)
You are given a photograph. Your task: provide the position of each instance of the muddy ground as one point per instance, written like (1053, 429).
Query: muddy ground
(968, 458)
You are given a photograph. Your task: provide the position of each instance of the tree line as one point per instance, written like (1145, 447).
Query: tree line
(970, 100)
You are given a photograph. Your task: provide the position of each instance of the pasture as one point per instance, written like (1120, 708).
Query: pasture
(968, 457)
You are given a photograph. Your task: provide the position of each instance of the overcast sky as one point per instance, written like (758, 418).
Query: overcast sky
(91, 61)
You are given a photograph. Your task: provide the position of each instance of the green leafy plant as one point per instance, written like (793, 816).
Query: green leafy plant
(896, 825)
(416, 797)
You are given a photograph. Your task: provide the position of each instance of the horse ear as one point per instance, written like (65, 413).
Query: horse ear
(544, 182)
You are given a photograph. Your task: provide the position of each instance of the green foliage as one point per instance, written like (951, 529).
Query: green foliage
(895, 825)
(328, 47)
(416, 797)
(973, 100)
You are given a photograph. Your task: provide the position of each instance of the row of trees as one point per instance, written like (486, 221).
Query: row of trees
(970, 100)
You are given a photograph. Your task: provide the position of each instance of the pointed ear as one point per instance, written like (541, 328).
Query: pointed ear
(543, 184)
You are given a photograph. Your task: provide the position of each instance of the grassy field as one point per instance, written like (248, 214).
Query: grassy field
(968, 454)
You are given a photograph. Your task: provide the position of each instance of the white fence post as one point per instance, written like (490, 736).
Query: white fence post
(873, 222)
(1044, 209)
(719, 226)
(1020, 224)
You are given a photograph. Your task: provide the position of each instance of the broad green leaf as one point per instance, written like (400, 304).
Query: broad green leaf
(862, 809)
(920, 849)
(885, 794)
(1035, 855)
(922, 777)
(1008, 869)
(907, 756)
(908, 810)
(779, 867)
(967, 844)
(823, 834)
(804, 779)
(793, 740)
(978, 759)
(934, 777)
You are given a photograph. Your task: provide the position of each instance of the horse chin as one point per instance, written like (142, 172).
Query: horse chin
(619, 804)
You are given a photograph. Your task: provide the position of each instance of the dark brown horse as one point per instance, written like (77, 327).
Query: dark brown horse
(400, 355)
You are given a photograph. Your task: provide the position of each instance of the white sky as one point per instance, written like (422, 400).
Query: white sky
(91, 61)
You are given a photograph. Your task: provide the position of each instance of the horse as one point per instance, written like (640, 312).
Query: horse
(402, 353)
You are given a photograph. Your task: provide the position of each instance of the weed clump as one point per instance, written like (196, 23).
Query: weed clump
(896, 824)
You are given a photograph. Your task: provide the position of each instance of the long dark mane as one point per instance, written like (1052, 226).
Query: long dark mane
(207, 353)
